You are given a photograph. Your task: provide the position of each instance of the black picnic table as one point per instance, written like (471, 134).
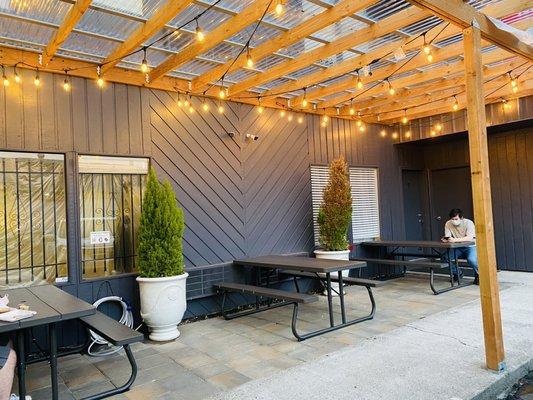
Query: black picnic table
(318, 268)
(395, 249)
(52, 306)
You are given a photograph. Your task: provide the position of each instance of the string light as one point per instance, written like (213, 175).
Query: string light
(405, 120)
(279, 8)
(144, 63)
(429, 58)
(325, 118)
(191, 109)
(352, 111)
(394, 135)
(383, 133)
(100, 82)
(324, 124)
(300, 120)
(37, 80)
(438, 127)
(432, 133)
(362, 128)
(4, 77)
(513, 80)
(66, 83)
(222, 93)
(515, 89)
(221, 109)
(249, 59)
(17, 77)
(186, 102)
(391, 89)
(180, 103)
(205, 106)
(359, 81)
(426, 47)
(282, 113)
(455, 104)
(407, 134)
(289, 117)
(506, 105)
(200, 35)
(304, 101)
(260, 107)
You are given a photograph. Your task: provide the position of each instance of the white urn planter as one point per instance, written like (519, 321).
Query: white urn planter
(334, 255)
(163, 303)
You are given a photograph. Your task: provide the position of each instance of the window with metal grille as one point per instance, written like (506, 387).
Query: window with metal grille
(365, 201)
(111, 192)
(33, 233)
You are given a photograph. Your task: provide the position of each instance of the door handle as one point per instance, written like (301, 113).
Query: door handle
(438, 217)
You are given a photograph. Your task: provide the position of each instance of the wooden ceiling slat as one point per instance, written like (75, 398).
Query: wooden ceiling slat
(223, 31)
(314, 24)
(353, 39)
(69, 22)
(148, 29)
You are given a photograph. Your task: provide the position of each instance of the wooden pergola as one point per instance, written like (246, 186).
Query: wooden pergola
(363, 59)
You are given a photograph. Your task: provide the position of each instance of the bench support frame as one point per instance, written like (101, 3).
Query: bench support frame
(303, 336)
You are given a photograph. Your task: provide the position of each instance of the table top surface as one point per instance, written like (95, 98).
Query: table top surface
(51, 303)
(435, 244)
(296, 263)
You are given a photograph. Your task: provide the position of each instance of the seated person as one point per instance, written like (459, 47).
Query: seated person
(8, 361)
(460, 229)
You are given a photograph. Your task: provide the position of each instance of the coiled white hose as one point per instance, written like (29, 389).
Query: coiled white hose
(126, 319)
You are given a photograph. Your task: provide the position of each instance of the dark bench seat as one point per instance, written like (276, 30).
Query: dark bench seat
(292, 297)
(345, 279)
(417, 263)
(118, 335)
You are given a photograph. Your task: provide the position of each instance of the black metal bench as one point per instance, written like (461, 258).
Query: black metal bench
(118, 335)
(425, 263)
(285, 297)
(370, 283)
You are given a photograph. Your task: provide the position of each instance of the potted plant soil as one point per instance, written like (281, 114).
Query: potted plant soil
(162, 279)
(335, 214)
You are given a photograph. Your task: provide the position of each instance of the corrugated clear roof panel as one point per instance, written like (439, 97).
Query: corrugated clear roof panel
(449, 41)
(276, 82)
(136, 8)
(337, 58)
(208, 21)
(304, 71)
(19, 45)
(95, 46)
(262, 34)
(339, 29)
(195, 67)
(42, 10)
(422, 26)
(295, 13)
(384, 8)
(300, 47)
(176, 42)
(107, 24)
(240, 75)
(81, 56)
(268, 62)
(19, 30)
(153, 57)
(376, 43)
(232, 5)
(223, 52)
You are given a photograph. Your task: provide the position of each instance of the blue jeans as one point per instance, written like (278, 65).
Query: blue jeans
(468, 252)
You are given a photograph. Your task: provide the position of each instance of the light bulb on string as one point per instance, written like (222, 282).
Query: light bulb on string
(37, 79)
(200, 35)
(304, 101)
(144, 63)
(180, 103)
(325, 118)
(222, 93)
(279, 7)
(394, 135)
(221, 109)
(429, 58)
(352, 111)
(259, 107)
(405, 120)
(426, 47)
(438, 127)
(186, 102)
(300, 119)
(4, 77)
(432, 133)
(512, 80)
(383, 133)
(17, 77)
(249, 59)
(455, 104)
(408, 135)
(282, 113)
(391, 89)
(205, 106)
(362, 128)
(359, 83)
(289, 117)
(515, 89)
(191, 109)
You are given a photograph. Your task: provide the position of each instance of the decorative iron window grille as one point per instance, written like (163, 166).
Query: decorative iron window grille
(111, 191)
(33, 232)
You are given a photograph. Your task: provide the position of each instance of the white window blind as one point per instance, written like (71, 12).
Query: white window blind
(319, 180)
(365, 201)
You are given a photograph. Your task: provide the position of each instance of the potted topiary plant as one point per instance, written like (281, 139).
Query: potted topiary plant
(335, 214)
(162, 279)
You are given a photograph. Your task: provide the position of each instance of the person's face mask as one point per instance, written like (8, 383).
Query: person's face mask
(456, 222)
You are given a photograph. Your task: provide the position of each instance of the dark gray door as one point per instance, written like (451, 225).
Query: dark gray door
(449, 188)
(414, 194)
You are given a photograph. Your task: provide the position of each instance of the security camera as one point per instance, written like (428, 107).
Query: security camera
(251, 137)
(231, 134)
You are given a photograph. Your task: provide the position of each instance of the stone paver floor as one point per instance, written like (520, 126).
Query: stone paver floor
(215, 355)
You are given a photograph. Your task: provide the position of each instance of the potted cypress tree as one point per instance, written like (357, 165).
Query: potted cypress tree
(162, 279)
(335, 214)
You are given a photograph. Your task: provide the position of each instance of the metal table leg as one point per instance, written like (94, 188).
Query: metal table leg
(330, 299)
(53, 360)
(21, 363)
(341, 297)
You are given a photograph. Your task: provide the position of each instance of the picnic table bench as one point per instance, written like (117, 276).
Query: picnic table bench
(305, 267)
(442, 256)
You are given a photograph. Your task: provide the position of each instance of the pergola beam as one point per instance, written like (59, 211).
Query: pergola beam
(320, 21)
(462, 15)
(481, 199)
(71, 19)
(381, 28)
(148, 29)
(224, 31)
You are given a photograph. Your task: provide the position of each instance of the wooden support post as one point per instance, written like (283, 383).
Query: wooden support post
(481, 194)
